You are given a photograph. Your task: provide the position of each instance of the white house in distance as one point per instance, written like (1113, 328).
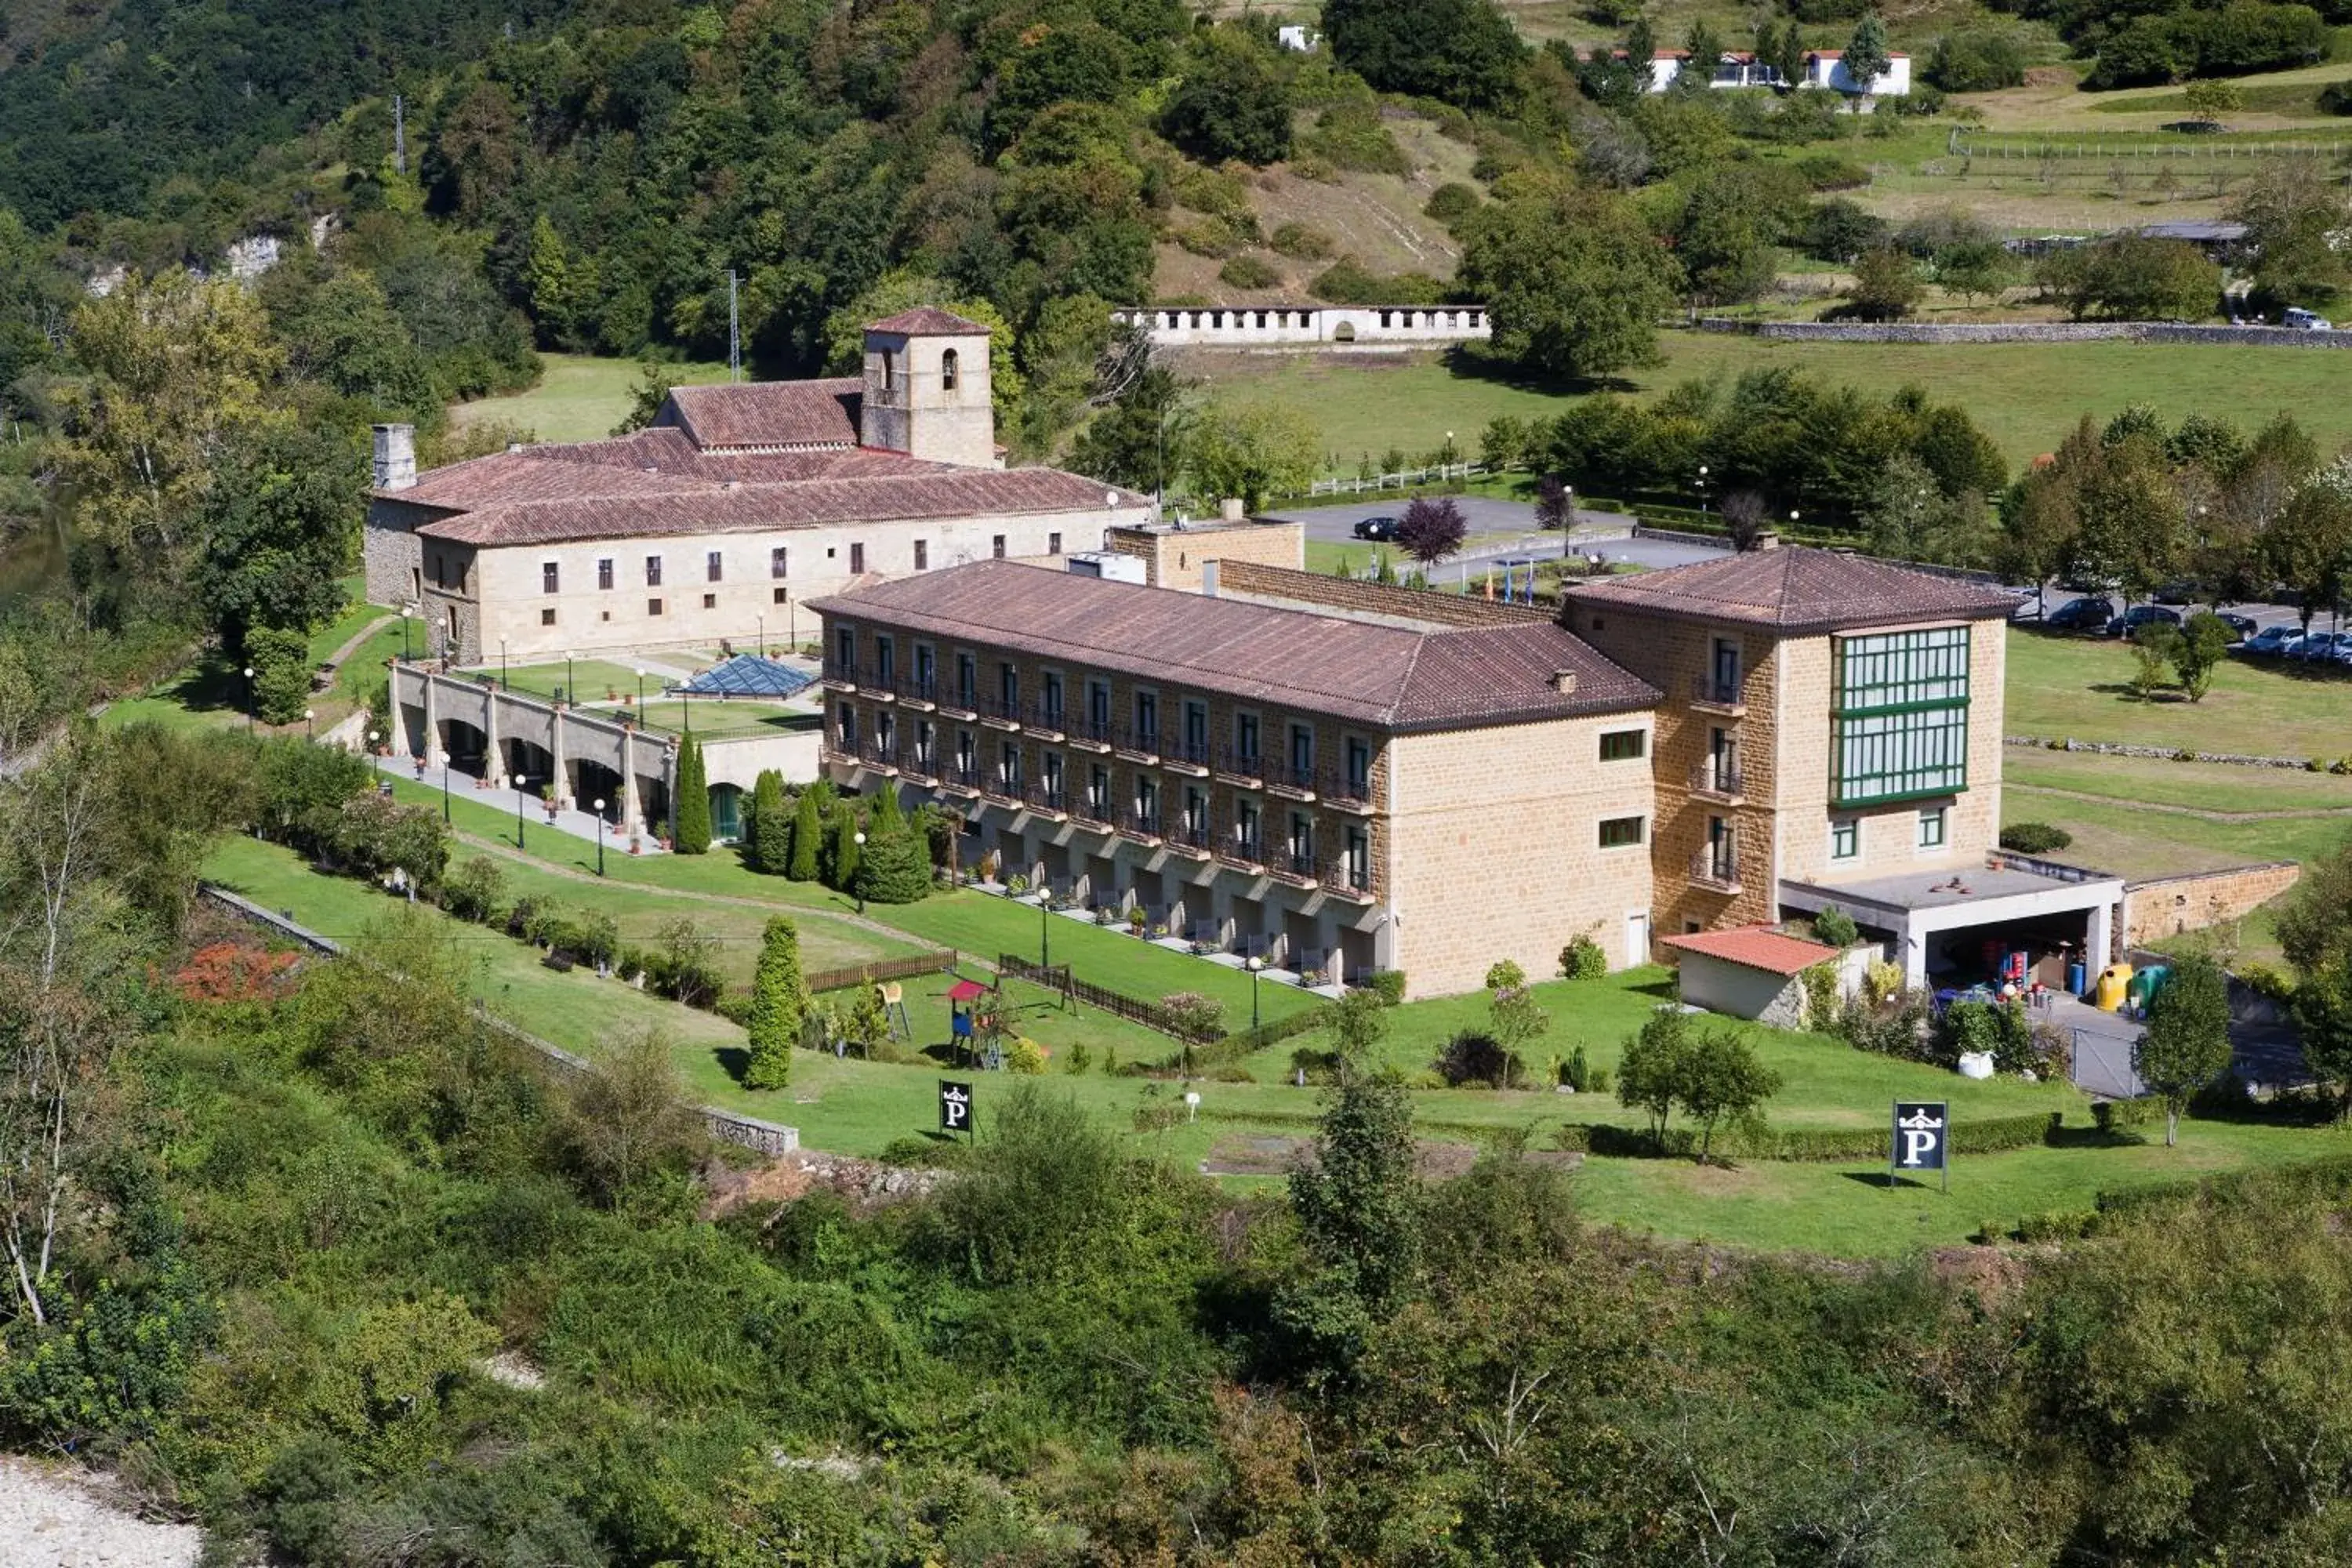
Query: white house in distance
(1823, 68)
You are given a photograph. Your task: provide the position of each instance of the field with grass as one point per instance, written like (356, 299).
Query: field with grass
(2061, 686)
(579, 397)
(861, 1106)
(2025, 396)
(212, 692)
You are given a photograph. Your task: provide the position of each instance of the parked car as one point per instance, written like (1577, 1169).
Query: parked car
(1379, 530)
(2271, 641)
(2240, 627)
(2180, 591)
(2140, 615)
(2318, 646)
(2305, 320)
(2082, 615)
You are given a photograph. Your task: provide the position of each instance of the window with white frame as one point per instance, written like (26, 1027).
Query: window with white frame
(1932, 826)
(1899, 719)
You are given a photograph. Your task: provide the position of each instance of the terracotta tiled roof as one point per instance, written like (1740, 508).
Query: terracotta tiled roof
(926, 321)
(1756, 947)
(1394, 677)
(887, 492)
(1798, 590)
(767, 413)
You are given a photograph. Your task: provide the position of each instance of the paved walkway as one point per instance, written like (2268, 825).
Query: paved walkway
(574, 824)
(365, 632)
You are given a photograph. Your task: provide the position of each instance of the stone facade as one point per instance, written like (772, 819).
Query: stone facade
(1176, 555)
(1373, 873)
(927, 395)
(1754, 774)
(469, 599)
(2167, 906)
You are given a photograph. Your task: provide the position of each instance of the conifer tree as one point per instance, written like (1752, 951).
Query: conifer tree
(771, 827)
(808, 836)
(693, 800)
(841, 873)
(895, 867)
(779, 1006)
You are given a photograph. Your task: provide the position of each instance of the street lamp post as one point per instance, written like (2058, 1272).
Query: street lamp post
(859, 839)
(502, 653)
(1044, 930)
(252, 698)
(1256, 967)
(445, 789)
(600, 838)
(1701, 490)
(519, 781)
(641, 692)
(571, 689)
(764, 634)
(404, 634)
(308, 714)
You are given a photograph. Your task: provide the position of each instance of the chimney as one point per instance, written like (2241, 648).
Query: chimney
(396, 456)
(1768, 541)
(1564, 682)
(1230, 509)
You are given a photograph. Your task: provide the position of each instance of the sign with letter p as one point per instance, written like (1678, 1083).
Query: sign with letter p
(1922, 1135)
(955, 1106)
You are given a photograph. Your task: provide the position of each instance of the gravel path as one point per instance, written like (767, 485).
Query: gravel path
(55, 1516)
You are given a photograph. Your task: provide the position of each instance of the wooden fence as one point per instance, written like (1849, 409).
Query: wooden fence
(1150, 1015)
(940, 961)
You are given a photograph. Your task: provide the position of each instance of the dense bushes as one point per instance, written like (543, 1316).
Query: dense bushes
(2034, 837)
(1975, 60)
(2236, 40)
(2132, 278)
(1780, 433)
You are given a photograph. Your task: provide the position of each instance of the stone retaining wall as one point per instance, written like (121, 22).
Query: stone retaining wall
(2023, 332)
(2162, 754)
(2166, 906)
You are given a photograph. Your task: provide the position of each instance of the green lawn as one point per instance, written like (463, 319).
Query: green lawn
(2059, 687)
(858, 1106)
(2026, 395)
(579, 397)
(211, 693)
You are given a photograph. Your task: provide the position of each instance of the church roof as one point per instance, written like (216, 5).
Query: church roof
(929, 322)
(767, 414)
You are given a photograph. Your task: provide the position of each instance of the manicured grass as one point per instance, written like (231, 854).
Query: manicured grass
(212, 694)
(579, 397)
(2025, 396)
(859, 1106)
(2059, 687)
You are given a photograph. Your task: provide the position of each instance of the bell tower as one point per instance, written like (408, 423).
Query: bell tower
(927, 389)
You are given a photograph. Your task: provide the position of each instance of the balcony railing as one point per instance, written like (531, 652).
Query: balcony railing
(1048, 716)
(918, 764)
(1135, 742)
(876, 755)
(882, 679)
(1140, 824)
(1000, 710)
(1717, 867)
(1091, 732)
(1290, 778)
(1245, 853)
(1193, 837)
(1053, 802)
(1296, 867)
(961, 777)
(840, 671)
(918, 688)
(1187, 755)
(1342, 791)
(1714, 692)
(1240, 765)
(1000, 788)
(1340, 876)
(1093, 808)
(1719, 775)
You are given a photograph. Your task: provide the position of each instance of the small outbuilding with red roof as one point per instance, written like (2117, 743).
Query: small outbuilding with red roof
(1756, 971)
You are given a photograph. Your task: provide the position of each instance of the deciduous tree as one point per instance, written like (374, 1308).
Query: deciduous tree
(2186, 1045)
(1574, 281)
(1431, 529)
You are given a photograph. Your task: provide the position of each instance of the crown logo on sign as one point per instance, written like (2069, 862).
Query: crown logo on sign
(1919, 1121)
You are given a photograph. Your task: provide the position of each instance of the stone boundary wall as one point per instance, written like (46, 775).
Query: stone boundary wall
(727, 1126)
(1356, 595)
(2162, 754)
(2023, 332)
(2167, 906)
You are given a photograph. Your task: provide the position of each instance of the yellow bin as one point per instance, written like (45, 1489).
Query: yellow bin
(2115, 979)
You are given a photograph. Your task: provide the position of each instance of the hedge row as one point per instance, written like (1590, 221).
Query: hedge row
(1233, 1048)
(2329, 1176)
(1992, 1135)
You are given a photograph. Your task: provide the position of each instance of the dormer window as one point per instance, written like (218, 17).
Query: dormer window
(948, 371)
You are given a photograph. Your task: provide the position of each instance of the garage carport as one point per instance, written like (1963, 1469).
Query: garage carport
(1926, 917)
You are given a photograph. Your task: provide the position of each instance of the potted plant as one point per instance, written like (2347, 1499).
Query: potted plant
(547, 800)
(636, 845)
(1136, 920)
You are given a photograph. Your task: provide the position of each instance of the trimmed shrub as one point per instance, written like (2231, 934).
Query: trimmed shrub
(1474, 1057)
(2034, 837)
(1389, 984)
(1836, 927)
(1504, 976)
(1582, 959)
(473, 892)
(280, 660)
